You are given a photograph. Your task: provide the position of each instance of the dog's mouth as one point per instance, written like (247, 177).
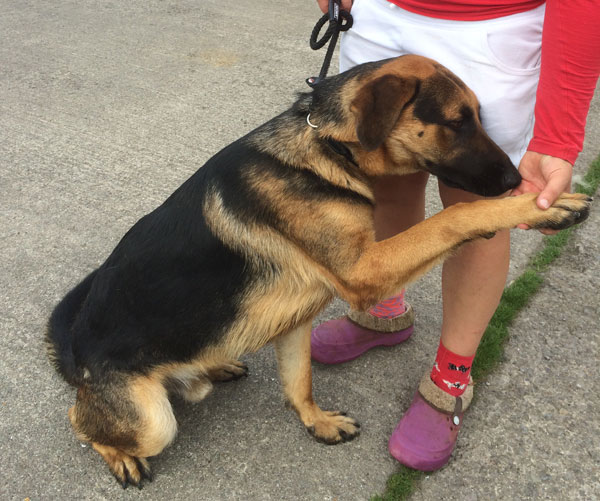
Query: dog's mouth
(486, 186)
(450, 183)
(477, 189)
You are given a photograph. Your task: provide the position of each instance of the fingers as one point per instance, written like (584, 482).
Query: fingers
(324, 5)
(544, 231)
(526, 187)
(546, 175)
(532, 179)
(559, 181)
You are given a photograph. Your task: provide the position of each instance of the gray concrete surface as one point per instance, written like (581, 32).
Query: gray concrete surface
(105, 108)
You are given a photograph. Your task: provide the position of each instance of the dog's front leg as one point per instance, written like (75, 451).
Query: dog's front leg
(384, 267)
(293, 356)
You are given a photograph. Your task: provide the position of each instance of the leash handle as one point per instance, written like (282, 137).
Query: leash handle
(334, 10)
(339, 20)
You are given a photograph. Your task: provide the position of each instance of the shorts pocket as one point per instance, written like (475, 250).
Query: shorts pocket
(515, 49)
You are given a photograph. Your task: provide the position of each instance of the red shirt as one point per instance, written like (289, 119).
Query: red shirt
(570, 62)
(467, 10)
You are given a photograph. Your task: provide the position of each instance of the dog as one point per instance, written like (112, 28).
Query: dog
(259, 240)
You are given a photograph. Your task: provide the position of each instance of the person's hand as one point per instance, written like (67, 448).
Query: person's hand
(324, 5)
(546, 175)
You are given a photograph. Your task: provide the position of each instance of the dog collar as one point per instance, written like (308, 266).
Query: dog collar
(310, 123)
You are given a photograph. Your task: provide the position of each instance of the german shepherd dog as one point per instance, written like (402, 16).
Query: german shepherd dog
(257, 242)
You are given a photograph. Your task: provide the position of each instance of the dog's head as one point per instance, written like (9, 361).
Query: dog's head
(420, 115)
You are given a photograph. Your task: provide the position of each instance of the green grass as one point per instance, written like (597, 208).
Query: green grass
(400, 485)
(514, 298)
(490, 353)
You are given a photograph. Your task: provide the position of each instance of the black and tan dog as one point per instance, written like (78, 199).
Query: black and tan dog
(257, 242)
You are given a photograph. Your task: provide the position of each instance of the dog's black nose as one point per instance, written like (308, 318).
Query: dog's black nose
(511, 178)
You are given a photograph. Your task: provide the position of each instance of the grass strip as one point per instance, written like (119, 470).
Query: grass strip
(402, 484)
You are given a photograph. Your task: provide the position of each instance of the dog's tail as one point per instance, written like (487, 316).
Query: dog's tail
(59, 335)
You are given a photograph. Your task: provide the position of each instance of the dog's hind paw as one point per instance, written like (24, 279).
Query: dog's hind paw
(228, 371)
(128, 470)
(333, 427)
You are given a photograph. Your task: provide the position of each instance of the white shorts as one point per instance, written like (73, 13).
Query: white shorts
(499, 59)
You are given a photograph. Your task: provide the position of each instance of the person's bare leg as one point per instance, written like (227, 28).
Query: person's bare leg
(472, 284)
(399, 203)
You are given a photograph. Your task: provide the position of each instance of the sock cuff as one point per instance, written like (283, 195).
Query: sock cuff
(441, 400)
(457, 359)
(390, 307)
(451, 372)
(368, 321)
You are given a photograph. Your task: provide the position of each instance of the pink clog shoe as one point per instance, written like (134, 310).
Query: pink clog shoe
(346, 338)
(426, 435)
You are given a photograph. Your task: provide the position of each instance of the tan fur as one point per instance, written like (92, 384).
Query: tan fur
(293, 356)
(158, 426)
(120, 463)
(295, 146)
(274, 306)
(230, 369)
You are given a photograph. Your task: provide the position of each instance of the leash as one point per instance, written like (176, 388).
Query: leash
(339, 20)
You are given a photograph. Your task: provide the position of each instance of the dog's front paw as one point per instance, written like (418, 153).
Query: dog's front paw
(332, 427)
(569, 209)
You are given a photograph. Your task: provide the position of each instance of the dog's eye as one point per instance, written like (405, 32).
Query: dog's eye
(456, 124)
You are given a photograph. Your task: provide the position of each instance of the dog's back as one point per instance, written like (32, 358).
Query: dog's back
(169, 288)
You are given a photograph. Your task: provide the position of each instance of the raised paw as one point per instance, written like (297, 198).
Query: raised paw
(128, 470)
(332, 427)
(228, 371)
(567, 210)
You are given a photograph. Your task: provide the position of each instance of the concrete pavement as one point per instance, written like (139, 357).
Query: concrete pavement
(105, 108)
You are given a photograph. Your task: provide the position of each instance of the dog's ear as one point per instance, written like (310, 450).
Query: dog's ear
(378, 105)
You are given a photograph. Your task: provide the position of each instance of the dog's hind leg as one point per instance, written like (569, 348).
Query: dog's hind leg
(293, 356)
(126, 421)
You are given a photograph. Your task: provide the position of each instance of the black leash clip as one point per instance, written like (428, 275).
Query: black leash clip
(339, 20)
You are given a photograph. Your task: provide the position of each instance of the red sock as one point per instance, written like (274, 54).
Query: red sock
(451, 371)
(389, 308)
